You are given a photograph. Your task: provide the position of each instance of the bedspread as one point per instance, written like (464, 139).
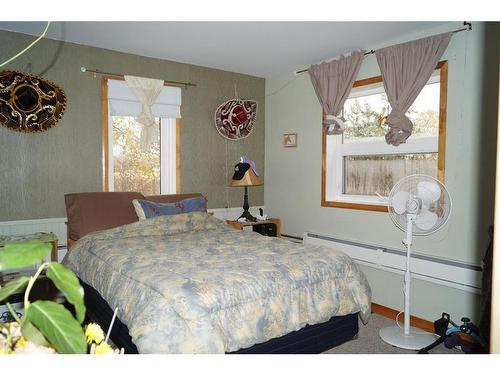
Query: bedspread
(190, 283)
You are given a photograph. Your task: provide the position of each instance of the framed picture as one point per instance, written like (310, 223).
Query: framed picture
(290, 140)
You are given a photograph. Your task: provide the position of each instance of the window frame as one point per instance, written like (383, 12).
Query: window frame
(107, 136)
(442, 66)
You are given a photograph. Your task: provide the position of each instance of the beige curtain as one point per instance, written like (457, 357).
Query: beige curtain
(332, 82)
(406, 68)
(146, 91)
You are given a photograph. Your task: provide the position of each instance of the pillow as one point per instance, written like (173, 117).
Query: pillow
(146, 209)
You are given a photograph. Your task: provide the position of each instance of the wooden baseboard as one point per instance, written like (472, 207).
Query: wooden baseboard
(391, 314)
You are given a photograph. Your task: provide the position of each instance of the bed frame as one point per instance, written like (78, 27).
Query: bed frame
(312, 339)
(98, 211)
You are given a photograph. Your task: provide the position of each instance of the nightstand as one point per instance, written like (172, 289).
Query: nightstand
(29, 271)
(271, 227)
(42, 289)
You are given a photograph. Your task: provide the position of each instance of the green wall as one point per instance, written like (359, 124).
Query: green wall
(36, 170)
(293, 175)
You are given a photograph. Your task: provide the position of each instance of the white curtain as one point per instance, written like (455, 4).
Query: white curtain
(146, 90)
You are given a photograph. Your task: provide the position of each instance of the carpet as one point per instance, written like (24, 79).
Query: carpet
(369, 342)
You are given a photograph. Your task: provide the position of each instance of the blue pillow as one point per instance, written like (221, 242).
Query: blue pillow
(146, 209)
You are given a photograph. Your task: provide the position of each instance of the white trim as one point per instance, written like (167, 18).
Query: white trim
(456, 274)
(414, 145)
(337, 149)
(55, 225)
(378, 87)
(168, 155)
(371, 89)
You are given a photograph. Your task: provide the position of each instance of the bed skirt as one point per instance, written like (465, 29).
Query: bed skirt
(312, 339)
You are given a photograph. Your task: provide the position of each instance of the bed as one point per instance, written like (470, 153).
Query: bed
(190, 283)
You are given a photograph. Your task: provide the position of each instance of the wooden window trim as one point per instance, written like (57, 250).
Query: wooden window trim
(105, 136)
(443, 99)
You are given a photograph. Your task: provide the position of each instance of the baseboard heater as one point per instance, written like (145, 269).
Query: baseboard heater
(452, 273)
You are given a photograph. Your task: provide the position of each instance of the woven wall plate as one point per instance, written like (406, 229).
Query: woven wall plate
(29, 103)
(234, 119)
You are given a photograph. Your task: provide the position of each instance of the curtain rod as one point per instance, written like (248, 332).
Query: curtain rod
(121, 76)
(468, 27)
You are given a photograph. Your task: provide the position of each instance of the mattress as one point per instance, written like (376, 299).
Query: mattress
(190, 283)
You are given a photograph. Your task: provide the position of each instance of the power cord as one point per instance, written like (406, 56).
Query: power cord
(28, 47)
(401, 312)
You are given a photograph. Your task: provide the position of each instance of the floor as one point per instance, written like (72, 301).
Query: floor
(369, 342)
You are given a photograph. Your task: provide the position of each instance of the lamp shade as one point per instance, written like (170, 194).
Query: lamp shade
(249, 179)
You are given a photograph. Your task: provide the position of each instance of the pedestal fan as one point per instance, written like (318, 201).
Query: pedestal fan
(418, 205)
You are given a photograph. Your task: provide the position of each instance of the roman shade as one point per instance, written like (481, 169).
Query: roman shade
(123, 102)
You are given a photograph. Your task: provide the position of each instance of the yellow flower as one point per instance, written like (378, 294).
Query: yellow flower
(103, 348)
(94, 333)
(21, 343)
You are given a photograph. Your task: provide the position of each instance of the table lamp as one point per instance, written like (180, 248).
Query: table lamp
(245, 175)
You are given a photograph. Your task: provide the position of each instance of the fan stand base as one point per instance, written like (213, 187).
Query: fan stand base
(416, 340)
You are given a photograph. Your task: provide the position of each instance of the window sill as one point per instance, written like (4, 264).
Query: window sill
(355, 206)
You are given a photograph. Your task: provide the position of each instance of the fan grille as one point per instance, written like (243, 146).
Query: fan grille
(442, 207)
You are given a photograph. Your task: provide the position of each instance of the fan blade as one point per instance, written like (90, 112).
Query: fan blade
(426, 220)
(428, 191)
(399, 202)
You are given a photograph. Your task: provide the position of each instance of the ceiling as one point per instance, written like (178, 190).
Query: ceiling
(257, 48)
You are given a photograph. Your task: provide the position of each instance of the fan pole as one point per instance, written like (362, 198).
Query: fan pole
(407, 337)
(408, 242)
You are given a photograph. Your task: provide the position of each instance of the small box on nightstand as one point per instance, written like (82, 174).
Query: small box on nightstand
(268, 229)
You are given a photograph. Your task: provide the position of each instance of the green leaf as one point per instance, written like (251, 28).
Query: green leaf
(31, 333)
(67, 282)
(58, 326)
(23, 254)
(13, 286)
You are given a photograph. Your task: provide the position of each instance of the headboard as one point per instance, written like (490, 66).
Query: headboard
(91, 212)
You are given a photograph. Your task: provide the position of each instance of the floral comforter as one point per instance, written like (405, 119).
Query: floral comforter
(190, 283)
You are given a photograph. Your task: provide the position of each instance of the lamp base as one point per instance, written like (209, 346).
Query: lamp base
(248, 216)
(415, 340)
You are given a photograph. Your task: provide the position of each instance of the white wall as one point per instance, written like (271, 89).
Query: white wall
(293, 175)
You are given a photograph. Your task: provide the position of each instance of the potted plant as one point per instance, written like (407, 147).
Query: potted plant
(46, 326)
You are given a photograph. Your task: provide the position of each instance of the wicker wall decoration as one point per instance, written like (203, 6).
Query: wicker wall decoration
(29, 103)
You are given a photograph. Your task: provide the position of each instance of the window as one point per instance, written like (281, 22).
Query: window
(127, 166)
(359, 167)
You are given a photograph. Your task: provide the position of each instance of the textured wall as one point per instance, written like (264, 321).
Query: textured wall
(36, 170)
(470, 169)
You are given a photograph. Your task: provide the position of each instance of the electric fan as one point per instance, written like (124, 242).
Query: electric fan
(418, 205)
